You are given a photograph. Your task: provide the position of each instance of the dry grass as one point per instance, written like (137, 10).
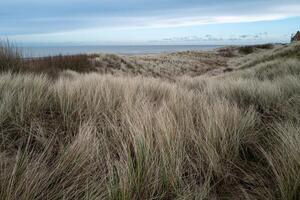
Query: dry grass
(93, 136)
(10, 57)
(54, 65)
(282, 52)
(166, 66)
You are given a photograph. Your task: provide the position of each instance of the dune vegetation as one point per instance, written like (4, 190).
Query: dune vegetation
(88, 130)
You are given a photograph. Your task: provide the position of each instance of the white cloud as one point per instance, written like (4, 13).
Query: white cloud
(177, 18)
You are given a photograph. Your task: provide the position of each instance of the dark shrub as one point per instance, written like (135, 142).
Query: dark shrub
(264, 46)
(79, 63)
(246, 49)
(226, 52)
(228, 69)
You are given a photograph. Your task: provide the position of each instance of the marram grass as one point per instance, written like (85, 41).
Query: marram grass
(92, 136)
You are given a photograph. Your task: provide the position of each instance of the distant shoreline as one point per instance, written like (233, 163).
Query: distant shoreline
(44, 51)
(126, 50)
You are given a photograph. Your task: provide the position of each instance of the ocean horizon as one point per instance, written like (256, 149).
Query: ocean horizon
(43, 51)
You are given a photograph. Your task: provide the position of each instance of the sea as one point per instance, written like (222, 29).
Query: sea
(43, 51)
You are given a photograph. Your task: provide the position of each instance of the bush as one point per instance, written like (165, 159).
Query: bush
(264, 46)
(246, 49)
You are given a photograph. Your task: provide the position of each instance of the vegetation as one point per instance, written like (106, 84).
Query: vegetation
(102, 136)
(166, 66)
(282, 52)
(253, 48)
(10, 57)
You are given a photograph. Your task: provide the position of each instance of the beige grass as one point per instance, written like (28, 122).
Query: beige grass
(93, 136)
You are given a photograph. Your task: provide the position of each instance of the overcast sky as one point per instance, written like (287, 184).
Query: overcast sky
(149, 21)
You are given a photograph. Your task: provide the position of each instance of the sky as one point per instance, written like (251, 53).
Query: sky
(134, 22)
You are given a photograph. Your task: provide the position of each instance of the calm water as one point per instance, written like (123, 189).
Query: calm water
(69, 50)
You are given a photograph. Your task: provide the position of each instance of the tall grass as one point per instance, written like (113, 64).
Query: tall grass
(167, 66)
(93, 136)
(10, 57)
(282, 52)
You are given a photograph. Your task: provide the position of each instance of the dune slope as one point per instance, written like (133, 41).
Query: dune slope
(101, 136)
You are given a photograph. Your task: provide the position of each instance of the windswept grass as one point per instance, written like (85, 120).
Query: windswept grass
(93, 136)
(166, 66)
(10, 57)
(282, 52)
(54, 65)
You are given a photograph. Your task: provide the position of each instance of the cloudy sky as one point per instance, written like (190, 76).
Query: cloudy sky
(149, 21)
